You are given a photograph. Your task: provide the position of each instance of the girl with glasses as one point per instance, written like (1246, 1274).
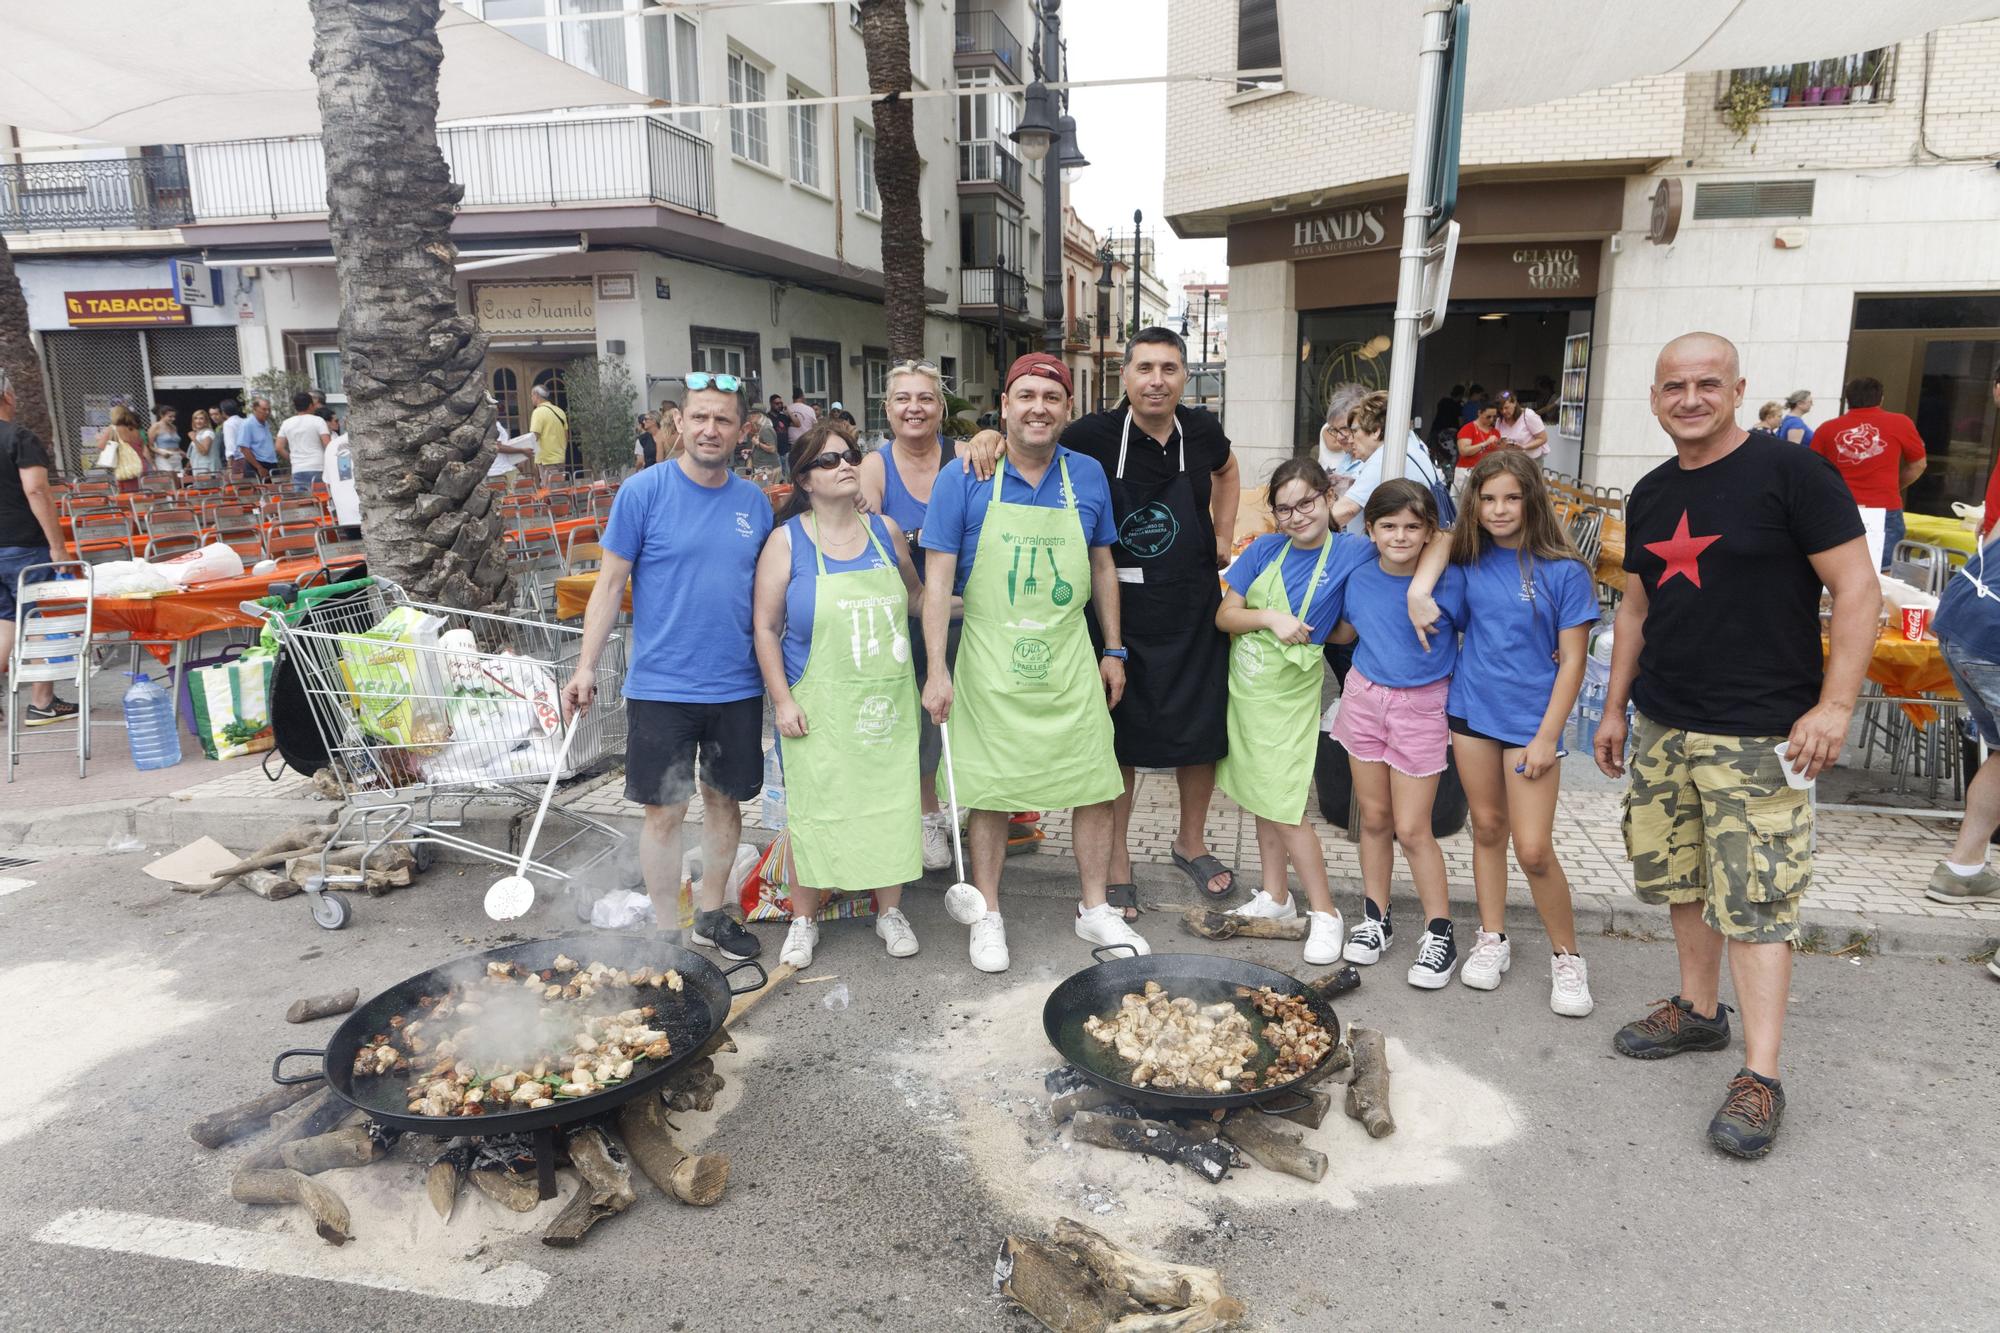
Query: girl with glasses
(1285, 597)
(831, 614)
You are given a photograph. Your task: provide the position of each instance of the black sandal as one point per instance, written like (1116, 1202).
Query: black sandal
(1202, 869)
(1125, 897)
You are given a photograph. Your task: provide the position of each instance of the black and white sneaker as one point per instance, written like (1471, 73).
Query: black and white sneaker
(1437, 957)
(1369, 939)
(719, 931)
(59, 710)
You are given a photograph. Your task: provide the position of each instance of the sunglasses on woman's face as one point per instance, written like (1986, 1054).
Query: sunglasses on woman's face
(829, 461)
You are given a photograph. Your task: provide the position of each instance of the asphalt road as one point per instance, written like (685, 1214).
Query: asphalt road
(882, 1150)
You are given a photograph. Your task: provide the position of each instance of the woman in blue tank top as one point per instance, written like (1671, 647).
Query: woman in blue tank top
(896, 483)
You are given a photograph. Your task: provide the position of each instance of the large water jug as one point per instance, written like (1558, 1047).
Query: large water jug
(149, 724)
(773, 817)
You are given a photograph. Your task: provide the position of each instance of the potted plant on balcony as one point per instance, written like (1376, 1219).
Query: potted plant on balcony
(1839, 75)
(1815, 83)
(1867, 74)
(1795, 86)
(1743, 105)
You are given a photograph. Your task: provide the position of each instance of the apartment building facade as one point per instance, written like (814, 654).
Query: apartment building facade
(1836, 218)
(745, 240)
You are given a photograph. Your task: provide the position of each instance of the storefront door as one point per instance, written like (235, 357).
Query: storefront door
(512, 379)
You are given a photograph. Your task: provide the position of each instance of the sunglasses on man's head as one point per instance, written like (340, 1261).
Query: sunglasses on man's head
(701, 379)
(829, 461)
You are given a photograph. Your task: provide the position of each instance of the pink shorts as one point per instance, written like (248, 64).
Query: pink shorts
(1403, 728)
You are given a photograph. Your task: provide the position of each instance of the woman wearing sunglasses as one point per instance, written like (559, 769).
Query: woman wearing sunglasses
(832, 605)
(896, 482)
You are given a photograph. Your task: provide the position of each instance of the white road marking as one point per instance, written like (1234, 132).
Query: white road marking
(508, 1285)
(8, 886)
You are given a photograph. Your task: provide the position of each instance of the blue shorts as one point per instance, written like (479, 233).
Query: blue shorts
(1978, 682)
(303, 480)
(14, 559)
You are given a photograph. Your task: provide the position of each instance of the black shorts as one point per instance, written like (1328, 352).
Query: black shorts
(664, 738)
(1460, 727)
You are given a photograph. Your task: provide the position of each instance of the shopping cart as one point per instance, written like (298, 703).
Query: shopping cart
(423, 709)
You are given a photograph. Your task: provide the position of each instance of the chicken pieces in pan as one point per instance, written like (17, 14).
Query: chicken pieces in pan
(1174, 1043)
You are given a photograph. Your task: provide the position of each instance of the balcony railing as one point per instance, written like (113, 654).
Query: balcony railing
(999, 287)
(989, 160)
(980, 32)
(1080, 331)
(548, 162)
(145, 192)
(1853, 80)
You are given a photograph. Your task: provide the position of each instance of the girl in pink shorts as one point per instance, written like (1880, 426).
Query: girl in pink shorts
(1392, 721)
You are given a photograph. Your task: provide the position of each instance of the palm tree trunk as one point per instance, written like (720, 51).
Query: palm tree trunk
(18, 359)
(410, 360)
(885, 34)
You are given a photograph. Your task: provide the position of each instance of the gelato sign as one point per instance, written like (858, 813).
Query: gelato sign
(536, 307)
(1344, 229)
(1555, 268)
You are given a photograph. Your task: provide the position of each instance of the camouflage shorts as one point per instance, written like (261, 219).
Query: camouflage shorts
(1711, 820)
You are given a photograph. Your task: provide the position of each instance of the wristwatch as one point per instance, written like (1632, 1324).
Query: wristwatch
(1118, 653)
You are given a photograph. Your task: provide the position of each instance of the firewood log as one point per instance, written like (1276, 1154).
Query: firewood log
(300, 840)
(606, 1191)
(244, 1118)
(1213, 925)
(318, 1113)
(1271, 1148)
(1313, 1114)
(509, 1189)
(1080, 1282)
(1368, 1091)
(1192, 1146)
(1049, 1284)
(698, 1180)
(328, 1210)
(443, 1178)
(322, 1006)
(353, 1146)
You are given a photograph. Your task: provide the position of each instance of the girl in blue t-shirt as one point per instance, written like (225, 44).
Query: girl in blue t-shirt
(1391, 719)
(1284, 598)
(1528, 603)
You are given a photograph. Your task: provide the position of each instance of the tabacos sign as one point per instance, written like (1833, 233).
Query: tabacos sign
(1357, 228)
(130, 308)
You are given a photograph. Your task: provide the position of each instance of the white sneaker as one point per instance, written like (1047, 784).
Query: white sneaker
(1323, 939)
(937, 840)
(1569, 986)
(1263, 905)
(1105, 924)
(1490, 958)
(893, 929)
(989, 943)
(966, 904)
(800, 941)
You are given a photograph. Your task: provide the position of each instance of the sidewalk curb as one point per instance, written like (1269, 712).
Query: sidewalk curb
(166, 822)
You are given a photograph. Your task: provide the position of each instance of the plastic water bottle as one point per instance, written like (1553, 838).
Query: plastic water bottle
(773, 817)
(149, 724)
(1590, 702)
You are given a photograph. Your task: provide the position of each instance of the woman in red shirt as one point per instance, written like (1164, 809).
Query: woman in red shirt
(1477, 437)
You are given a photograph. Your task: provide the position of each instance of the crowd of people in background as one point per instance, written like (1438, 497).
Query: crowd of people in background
(221, 441)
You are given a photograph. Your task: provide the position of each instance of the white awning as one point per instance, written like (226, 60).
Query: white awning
(1526, 52)
(228, 69)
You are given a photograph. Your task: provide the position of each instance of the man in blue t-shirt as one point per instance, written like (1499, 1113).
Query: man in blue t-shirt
(688, 534)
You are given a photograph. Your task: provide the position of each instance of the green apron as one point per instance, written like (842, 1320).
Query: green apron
(851, 780)
(1274, 693)
(1030, 730)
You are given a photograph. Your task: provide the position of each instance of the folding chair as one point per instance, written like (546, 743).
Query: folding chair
(102, 536)
(52, 635)
(1586, 533)
(582, 539)
(205, 483)
(160, 482)
(337, 552)
(559, 504)
(1921, 565)
(248, 545)
(289, 545)
(536, 561)
(229, 522)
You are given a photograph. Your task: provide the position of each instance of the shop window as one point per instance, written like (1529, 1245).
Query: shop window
(323, 369)
(803, 122)
(507, 390)
(810, 374)
(867, 195)
(1937, 357)
(875, 392)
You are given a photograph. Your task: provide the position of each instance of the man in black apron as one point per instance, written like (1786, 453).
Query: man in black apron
(1174, 490)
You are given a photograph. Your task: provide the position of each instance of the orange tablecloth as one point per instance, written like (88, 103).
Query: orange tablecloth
(573, 594)
(1906, 668)
(1611, 554)
(194, 611)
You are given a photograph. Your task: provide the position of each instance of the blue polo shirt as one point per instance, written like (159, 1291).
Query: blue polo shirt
(694, 557)
(1329, 602)
(959, 500)
(254, 437)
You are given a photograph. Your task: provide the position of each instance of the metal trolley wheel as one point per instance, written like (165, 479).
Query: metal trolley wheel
(329, 910)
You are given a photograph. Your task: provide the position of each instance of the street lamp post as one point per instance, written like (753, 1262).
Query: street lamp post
(1044, 124)
(1104, 257)
(1137, 284)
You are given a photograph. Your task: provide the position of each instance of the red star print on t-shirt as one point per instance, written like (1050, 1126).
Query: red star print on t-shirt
(1682, 553)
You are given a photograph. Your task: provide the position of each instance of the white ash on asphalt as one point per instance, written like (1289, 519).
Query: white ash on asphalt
(977, 1086)
(94, 1009)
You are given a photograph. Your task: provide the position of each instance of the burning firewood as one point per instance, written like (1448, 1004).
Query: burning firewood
(1078, 1281)
(509, 1189)
(606, 1190)
(1193, 1145)
(1368, 1091)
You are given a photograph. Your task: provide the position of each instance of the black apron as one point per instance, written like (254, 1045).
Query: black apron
(1176, 706)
